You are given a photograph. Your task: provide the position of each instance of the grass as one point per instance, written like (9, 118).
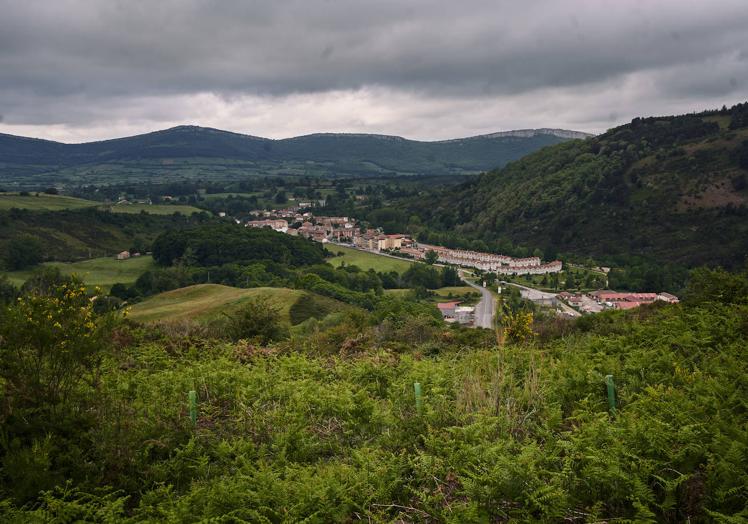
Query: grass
(155, 209)
(366, 260)
(465, 294)
(101, 272)
(43, 202)
(214, 196)
(455, 291)
(205, 302)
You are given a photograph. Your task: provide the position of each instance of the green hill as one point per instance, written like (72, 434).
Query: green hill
(103, 272)
(45, 202)
(669, 188)
(190, 151)
(204, 302)
(42, 201)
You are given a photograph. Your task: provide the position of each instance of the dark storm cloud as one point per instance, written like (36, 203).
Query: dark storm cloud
(70, 62)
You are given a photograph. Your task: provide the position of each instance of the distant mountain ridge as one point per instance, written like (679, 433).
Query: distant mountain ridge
(215, 152)
(522, 133)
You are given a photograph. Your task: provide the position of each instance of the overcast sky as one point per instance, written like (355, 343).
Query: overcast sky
(77, 70)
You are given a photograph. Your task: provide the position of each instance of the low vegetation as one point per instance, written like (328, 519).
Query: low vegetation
(323, 425)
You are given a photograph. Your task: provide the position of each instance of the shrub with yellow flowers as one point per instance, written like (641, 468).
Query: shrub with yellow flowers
(50, 341)
(518, 326)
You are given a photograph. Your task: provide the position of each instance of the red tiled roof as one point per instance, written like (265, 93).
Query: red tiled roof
(628, 304)
(629, 297)
(447, 305)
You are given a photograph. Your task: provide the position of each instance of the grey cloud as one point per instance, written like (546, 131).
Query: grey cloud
(69, 61)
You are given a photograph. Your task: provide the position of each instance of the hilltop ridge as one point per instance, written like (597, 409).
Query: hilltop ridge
(181, 151)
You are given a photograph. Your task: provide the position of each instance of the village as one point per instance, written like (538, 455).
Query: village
(347, 231)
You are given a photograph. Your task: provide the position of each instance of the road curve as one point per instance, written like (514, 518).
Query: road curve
(486, 308)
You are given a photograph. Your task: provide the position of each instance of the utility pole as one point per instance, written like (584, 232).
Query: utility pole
(500, 320)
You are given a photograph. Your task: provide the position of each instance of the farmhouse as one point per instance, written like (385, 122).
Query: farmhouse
(447, 309)
(464, 314)
(667, 297)
(277, 225)
(385, 242)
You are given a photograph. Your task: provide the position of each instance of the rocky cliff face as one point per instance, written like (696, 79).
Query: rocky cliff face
(527, 133)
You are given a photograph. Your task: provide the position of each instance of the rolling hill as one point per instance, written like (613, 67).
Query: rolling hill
(204, 302)
(42, 202)
(191, 151)
(673, 189)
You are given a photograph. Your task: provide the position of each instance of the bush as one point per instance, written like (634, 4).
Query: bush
(257, 320)
(310, 306)
(49, 342)
(22, 252)
(423, 275)
(8, 291)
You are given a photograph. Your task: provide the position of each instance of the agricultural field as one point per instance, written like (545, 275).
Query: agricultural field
(155, 209)
(42, 202)
(366, 260)
(214, 196)
(102, 272)
(450, 291)
(204, 302)
(464, 294)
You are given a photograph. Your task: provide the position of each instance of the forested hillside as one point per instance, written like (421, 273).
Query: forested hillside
(673, 189)
(190, 151)
(69, 235)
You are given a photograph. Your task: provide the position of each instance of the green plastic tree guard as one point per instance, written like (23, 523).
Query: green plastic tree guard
(611, 393)
(193, 406)
(419, 400)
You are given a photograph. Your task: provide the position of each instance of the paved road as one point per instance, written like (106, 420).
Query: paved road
(532, 293)
(486, 308)
(541, 296)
